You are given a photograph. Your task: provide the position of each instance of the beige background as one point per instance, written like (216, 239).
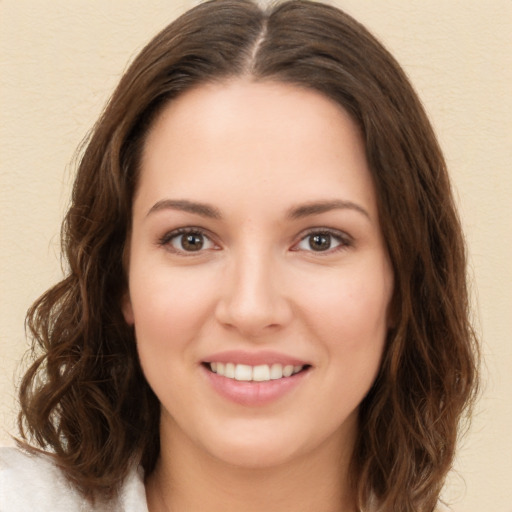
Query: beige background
(59, 61)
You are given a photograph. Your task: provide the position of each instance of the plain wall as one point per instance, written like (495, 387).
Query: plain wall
(59, 61)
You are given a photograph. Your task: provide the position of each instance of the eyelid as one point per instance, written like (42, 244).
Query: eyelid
(344, 238)
(165, 240)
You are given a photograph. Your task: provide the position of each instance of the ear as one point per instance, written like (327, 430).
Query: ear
(127, 309)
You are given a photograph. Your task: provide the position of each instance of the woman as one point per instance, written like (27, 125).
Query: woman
(266, 304)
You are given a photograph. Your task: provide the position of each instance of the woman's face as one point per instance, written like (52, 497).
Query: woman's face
(256, 252)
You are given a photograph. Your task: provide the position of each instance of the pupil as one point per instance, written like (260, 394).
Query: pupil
(320, 242)
(192, 242)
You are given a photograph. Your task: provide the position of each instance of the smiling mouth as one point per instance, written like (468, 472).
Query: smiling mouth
(259, 373)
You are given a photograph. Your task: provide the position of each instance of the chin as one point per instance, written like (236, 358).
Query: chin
(258, 446)
(255, 455)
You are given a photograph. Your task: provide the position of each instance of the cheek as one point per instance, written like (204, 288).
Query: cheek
(351, 307)
(165, 320)
(348, 318)
(168, 306)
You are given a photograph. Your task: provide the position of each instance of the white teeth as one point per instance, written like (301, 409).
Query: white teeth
(260, 373)
(229, 371)
(243, 372)
(288, 370)
(276, 371)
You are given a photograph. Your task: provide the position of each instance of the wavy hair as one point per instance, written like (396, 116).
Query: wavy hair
(85, 399)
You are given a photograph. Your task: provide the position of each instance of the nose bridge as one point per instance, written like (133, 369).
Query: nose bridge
(252, 300)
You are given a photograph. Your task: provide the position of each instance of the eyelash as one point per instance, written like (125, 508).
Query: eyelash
(166, 240)
(344, 240)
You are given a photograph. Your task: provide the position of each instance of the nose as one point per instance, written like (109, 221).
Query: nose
(253, 299)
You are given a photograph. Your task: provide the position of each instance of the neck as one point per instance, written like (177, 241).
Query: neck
(186, 479)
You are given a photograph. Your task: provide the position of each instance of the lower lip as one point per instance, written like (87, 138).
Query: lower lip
(254, 393)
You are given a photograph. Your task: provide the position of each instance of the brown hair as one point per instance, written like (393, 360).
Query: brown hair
(85, 396)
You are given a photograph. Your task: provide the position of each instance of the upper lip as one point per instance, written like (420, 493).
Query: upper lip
(254, 358)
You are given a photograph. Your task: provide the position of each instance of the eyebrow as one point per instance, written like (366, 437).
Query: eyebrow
(316, 208)
(203, 209)
(296, 212)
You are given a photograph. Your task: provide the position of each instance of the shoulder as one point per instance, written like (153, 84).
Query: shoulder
(34, 482)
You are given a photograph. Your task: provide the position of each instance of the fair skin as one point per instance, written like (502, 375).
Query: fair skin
(280, 262)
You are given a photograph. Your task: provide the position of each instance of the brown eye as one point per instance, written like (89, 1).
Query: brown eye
(191, 241)
(320, 242)
(187, 241)
(323, 241)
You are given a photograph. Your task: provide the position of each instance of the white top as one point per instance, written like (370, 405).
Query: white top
(30, 483)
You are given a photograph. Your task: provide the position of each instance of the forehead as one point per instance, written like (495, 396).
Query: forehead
(214, 108)
(266, 137)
